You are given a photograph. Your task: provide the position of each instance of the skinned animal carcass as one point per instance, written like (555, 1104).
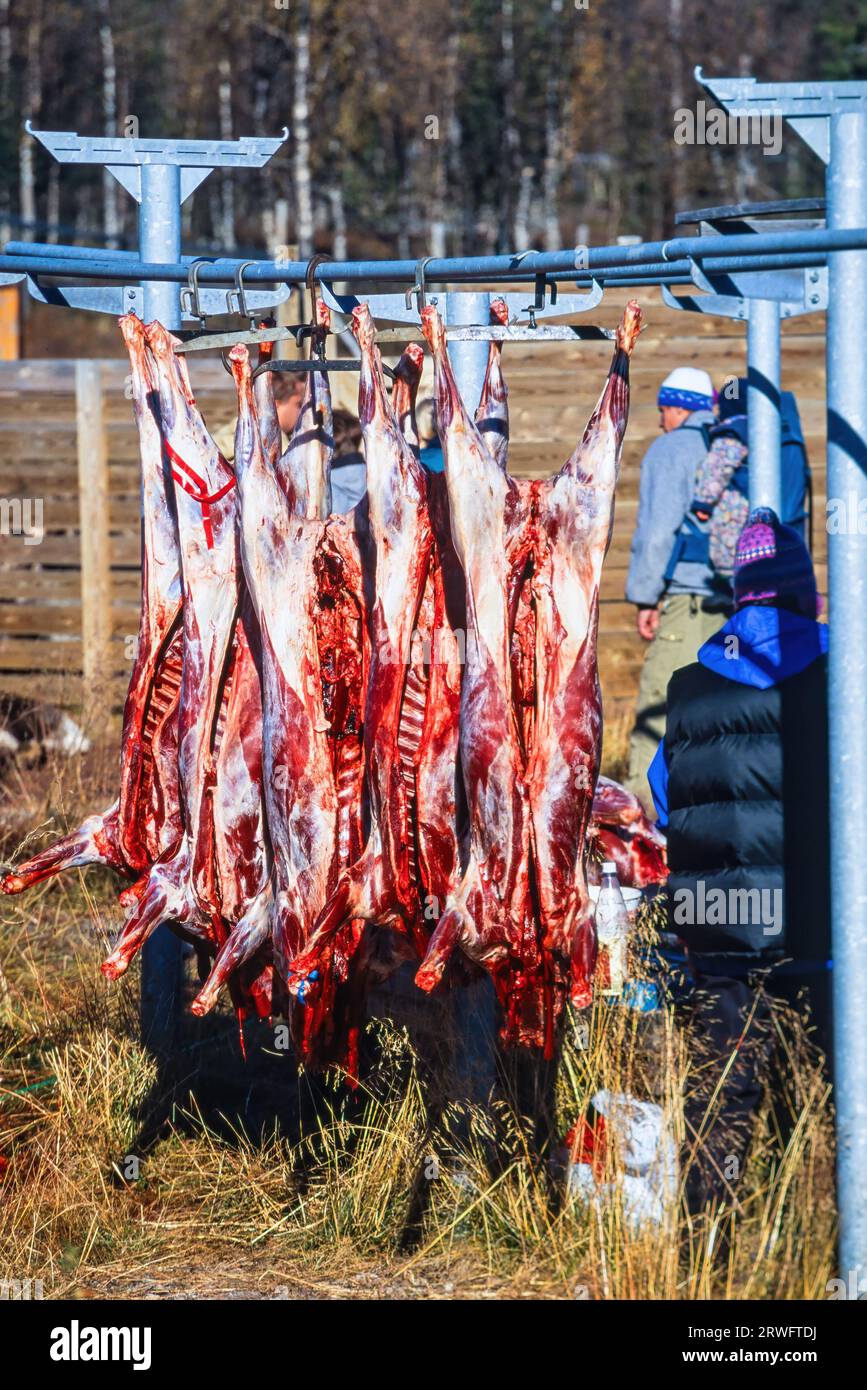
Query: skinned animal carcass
(352, 741)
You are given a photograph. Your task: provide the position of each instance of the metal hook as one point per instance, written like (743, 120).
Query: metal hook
(540, 297)
(418, 288)
(190, 302)
(310, 281)
(237, 295)
(541, 287)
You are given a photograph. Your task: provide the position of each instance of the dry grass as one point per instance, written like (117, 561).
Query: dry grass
(619, 719)
(321, 1205)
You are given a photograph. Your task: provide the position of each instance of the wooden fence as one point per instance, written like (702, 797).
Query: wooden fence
(69, 475)
(69, 504)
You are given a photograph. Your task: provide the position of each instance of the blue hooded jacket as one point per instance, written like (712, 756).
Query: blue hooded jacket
(758, 646)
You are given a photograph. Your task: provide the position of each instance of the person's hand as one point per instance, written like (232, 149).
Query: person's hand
(647, 622)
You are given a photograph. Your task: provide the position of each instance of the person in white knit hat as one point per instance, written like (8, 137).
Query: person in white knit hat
(678, 607)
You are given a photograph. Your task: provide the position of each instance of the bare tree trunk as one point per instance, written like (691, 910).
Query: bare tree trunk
(448, 139)
(301, 131)
(32, 107)
(486, 230)
(5, 113)
(404, 209)
(553, 133)
(275, 228)
(52, 203)
(110, 188)
(522, 208)
(448, 152)
(125, 206)
(745, 171)
(226, 230)
(260, 106)
(511, 138)
(338, 221)
(677, 152)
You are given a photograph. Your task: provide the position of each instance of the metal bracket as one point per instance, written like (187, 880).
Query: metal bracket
(386, 308)
(313, 364)
(117, 300)
(796, 291)
(199, 304)
(211, 342)
(106, 299)
(160, 175)
(398, 308)
(559, 306)
(720, 218)
(807, 106)
(124, 156)
(531, 333)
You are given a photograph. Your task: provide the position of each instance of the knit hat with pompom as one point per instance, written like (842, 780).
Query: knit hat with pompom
(773, 566)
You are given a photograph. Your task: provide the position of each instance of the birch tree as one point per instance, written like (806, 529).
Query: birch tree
(5, 114)
(32, 109)
(110, 186)
(301, 130)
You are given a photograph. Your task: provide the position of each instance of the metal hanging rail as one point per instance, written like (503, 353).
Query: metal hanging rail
(657, 261)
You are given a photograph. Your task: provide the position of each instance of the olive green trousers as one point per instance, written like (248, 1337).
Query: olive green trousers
(684, 626)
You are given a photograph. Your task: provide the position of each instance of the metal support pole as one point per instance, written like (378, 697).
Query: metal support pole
(847, 583)
(763, 404)
(469, 360)
(473, 1008)
(160, 240)
(159, 234)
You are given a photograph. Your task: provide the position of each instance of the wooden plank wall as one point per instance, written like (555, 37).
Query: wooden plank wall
(552, 391)
(42, 456)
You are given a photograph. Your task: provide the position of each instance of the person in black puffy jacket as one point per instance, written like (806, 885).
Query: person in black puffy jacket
(740, 783)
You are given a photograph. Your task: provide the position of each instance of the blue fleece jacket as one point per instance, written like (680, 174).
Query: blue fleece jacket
(666, 490)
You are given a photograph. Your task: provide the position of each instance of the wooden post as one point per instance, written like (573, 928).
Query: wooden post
(287, 348)
(94, 523)
(10, 323)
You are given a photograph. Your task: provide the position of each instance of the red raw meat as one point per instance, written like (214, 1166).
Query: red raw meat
(488, 914)
(281, 531)
(145, 820)
(377, 886)
(299, 724)
(240, 851)
(575, 516)
(181, 885)
(620, 831)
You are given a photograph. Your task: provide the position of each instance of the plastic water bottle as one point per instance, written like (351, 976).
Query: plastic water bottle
(612, 929)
